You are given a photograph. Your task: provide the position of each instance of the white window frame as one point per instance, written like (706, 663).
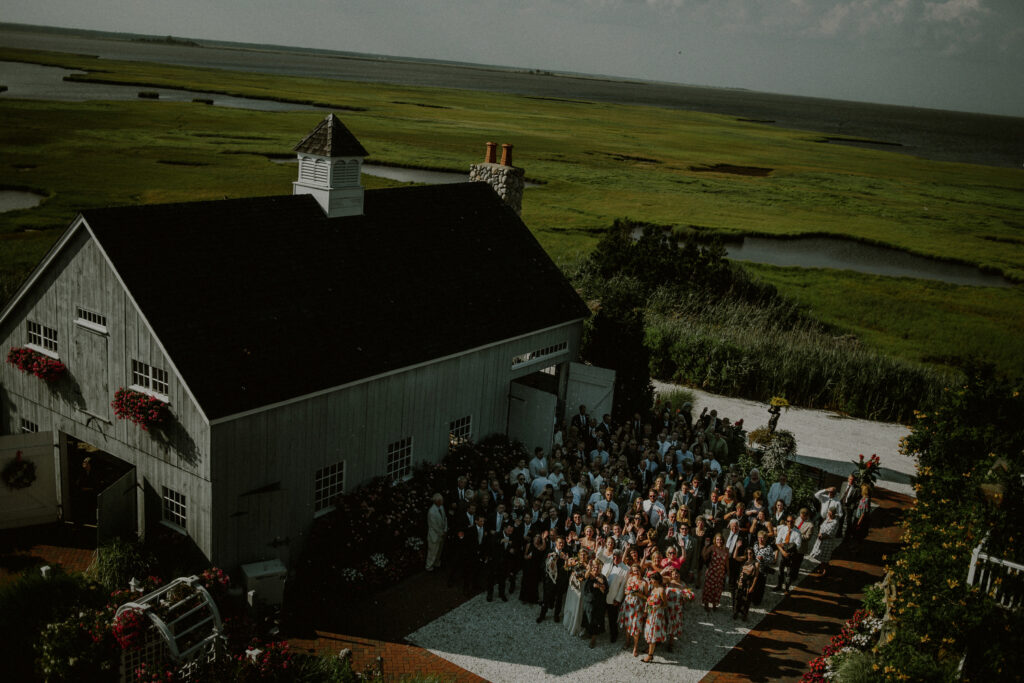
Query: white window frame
(529, 358)
(28, 426)
(42, 338)
(460, 430)
(174, 509)
(90, 320)
(149, 380)
(398, 464)
(328, 484)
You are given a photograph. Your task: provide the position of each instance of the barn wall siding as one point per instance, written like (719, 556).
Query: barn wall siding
(278, 452)
(97, 365)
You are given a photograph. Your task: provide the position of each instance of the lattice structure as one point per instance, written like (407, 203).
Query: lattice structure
(182, 627)
(1000, 579)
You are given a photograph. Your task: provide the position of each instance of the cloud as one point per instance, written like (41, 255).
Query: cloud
(961, 11)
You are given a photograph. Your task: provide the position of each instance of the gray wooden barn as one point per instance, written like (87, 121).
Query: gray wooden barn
(302, 344)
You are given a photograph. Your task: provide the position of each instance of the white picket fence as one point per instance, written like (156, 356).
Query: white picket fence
(1001, 579)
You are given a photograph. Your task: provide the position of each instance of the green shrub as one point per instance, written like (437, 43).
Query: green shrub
(874, 599)
(856, 667)
(117, 562)
(77, 648)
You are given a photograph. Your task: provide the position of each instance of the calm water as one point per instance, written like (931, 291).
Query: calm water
(12, 200)
(35, 82)
(841, 254)
(929, 133)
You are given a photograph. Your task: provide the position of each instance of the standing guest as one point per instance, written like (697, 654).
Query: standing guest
(477, 557)
(688, 552)
(736, 544)
(805, 526)
(653, 507)
(675, 593)
(716, 556)
(607, 549)
(616, 573)
(581, 421)
(538, 463)
(779, 515)
(503, 552)
(464, 492)
(573, 615)
(701, 539)
(780, 490)
(849, 496)
(828, 500)
(862, 517)
(608, 503)
(631, 616)
(656, 626)
(787, 540)
(533, 566)
(437, 527)
(556, 581)
(753, 483)
(757, 504)
(519, 469)
(589, 540)
(764, 552)
(828, 539)
(595, 600)
(743, 594)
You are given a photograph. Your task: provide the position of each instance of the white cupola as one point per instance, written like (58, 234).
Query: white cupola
(330, 164)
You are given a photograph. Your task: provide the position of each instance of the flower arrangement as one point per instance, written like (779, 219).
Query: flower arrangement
(857, 635)
(413, 543)
(42, 366)
(379, 559)
(129, 629)
(215, 580)
(867, 470)
(779, 402)
(142, 409)
(18, 473)
(351, 574)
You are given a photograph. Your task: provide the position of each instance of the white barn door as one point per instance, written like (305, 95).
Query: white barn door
(591, 386)
(531, 416)
(37, 503)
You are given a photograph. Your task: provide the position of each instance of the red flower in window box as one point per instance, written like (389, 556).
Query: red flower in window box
(142, 409)
(42, 366)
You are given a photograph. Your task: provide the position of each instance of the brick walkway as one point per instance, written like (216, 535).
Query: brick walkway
(52, 544)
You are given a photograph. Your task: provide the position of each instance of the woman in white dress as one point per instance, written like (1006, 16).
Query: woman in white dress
(572, 613)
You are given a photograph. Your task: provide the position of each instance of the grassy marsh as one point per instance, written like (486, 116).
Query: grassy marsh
(599, 162)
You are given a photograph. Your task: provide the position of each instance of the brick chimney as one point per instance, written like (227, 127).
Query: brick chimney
(507, 180)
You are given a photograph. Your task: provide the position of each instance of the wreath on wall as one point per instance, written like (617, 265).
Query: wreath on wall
(19, 473)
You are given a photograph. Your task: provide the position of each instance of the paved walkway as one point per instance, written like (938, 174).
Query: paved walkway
(50, 544)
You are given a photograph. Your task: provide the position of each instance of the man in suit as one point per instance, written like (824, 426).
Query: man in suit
(503, 550)
(437, 527)
(581, 422)
(849, 496)
(788, 540)
(689, 551)
(683, 499)
(475, 558)
(714, 510)
(463, 491)
(556, 581)
(735, 541)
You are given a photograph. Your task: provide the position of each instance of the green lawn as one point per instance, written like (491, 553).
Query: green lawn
(598, 162)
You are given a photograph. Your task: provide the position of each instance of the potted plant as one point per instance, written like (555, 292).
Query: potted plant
(32, 362)
(142, 409)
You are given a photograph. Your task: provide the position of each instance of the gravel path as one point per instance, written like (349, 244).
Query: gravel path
(824, 439)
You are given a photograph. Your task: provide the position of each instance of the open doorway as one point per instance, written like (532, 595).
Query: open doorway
(100, 491)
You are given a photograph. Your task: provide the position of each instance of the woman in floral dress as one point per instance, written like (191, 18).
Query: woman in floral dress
(656, 626)
(764, 552)
(716, 557)
(631, 614)
(675, 594)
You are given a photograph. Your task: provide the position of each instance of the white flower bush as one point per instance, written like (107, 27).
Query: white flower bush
(413, 543)
(351, 575)
(379, 559)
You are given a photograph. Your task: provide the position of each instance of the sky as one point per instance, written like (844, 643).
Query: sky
(966, 55)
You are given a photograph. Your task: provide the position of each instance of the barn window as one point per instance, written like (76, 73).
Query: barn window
(90, 319)
(42, 338)
(460, 431)
(539, 353)
(149, 379)
(174, 508)
(399, 462)
(27, 426)
(330, 482)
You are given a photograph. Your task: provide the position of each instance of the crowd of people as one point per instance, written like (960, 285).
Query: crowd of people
(621, 523)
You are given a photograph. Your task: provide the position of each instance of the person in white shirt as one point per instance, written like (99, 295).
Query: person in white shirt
(607, 504)
(617, 574)
(715, 465)
(788, 540)
(538, 463)
(654, 508)
(828, 500)
(579, 491)
(539, 483)
(599, 453)
(520, 468)
(557, 479)
(780, 490)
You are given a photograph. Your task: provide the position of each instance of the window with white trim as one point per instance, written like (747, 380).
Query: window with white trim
(539, 353)
(150, 379)
(330, 483)
(28, 426)
(90, 319)
(399, 461)
(41, 336)
(175, 511)
(460, 431)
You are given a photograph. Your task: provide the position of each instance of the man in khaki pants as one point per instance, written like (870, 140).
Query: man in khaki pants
(437, 526)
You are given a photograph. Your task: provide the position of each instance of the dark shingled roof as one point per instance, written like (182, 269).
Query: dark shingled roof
(265, 299)
(331, 139)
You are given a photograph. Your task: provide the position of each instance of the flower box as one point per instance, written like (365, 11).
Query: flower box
(42, 366)
(142, 409)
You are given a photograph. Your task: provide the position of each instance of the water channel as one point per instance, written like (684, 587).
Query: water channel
(13, 200)
(36, 82)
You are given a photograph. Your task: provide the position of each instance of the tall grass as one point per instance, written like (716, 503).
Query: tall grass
(765, 349)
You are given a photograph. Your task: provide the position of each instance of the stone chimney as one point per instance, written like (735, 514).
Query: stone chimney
(507, 180)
